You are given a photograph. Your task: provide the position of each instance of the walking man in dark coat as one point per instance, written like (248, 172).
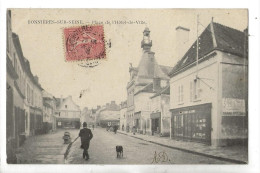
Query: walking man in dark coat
(86, 135)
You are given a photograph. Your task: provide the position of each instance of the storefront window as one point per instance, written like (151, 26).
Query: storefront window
(193, 123)
(178, 126)
(200, 127)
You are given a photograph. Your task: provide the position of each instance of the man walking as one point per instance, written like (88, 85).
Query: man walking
(86, 135)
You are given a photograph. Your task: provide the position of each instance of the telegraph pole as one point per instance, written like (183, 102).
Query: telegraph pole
(197, 56)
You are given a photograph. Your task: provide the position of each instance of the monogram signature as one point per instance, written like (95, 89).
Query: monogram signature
(160, 157)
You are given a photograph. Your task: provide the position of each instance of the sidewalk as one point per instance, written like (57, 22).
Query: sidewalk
(233, 154)
(44, 149)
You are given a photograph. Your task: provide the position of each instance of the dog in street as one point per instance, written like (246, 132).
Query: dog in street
(119, 151)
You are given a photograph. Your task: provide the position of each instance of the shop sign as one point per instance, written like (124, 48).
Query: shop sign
(187, 112)
(233, 106)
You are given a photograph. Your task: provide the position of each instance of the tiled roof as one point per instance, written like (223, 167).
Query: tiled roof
(226, 39)
(165, 90)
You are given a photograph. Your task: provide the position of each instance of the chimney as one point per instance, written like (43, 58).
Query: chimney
(182, 41)
(98, 107)
(156, 84)
(36, 79)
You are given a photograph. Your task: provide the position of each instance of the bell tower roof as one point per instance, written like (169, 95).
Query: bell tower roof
(146, 29)
(146, 43)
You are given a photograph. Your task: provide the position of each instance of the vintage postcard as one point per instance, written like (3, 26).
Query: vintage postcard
(127, 86)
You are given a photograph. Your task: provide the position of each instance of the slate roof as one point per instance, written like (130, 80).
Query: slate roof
(47, 105)
(227, 39)
(58, 101)
(24, 62)
(148, 88)
(164, 90)
(148, 68)
(166, 69)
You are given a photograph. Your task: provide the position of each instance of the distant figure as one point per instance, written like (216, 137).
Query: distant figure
(115, 128)
(123, 127)
(93, 126)
(134, 130)
(86, 135)
(108, 127)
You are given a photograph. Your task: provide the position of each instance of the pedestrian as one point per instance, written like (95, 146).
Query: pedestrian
(115, 128)
(86, 135)
(134, 130)
(93, 126)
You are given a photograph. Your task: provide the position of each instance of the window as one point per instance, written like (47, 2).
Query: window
(15, 63)
(180, 94)
(66, 106)
(32, 97)
(191, 91)
(196, 89)
(28, 93)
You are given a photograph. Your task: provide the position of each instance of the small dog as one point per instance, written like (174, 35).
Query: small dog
(119, 151)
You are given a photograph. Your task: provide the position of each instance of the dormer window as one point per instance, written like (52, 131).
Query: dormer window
(185, 60)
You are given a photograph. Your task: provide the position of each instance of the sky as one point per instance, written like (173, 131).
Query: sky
(43, 46)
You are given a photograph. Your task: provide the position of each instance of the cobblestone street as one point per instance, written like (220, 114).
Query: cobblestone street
(102, 151)
(45, 149)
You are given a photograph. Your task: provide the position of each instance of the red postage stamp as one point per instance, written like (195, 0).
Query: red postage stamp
(84, 43)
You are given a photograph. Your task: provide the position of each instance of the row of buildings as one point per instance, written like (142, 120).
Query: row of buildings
(203, 98)
(103, 116)
(30, 110)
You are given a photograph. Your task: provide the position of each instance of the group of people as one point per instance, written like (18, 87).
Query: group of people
(112, 128)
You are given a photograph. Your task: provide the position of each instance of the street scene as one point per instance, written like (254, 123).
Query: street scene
(127, 91)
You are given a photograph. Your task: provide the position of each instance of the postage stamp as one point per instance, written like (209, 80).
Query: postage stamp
(84, 43)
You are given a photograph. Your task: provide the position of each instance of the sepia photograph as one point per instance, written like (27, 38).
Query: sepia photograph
(127, 86)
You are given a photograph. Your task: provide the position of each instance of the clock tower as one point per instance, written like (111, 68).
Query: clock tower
(146, 43)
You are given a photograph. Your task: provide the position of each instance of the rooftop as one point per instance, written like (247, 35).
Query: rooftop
(217, 37)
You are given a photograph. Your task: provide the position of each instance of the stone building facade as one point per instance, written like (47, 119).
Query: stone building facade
(145, 80)
(208, 97)
(68, 113)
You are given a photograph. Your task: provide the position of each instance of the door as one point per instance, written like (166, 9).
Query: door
(157, 125)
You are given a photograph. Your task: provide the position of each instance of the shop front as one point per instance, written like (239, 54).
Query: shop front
(69, 123)
(137, 122)
(192, 123)
(156, 123)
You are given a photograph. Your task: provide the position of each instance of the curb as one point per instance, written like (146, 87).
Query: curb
(190, 151)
